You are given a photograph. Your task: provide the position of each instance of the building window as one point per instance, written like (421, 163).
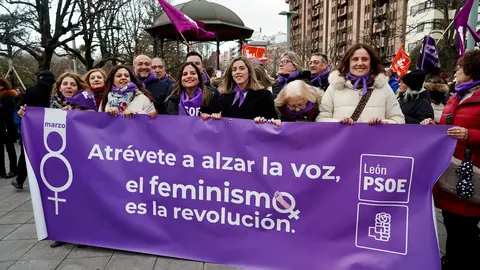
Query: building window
(422, 7)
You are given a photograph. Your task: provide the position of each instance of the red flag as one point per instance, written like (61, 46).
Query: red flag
(183, 23)
(252, 52)
(401, 62)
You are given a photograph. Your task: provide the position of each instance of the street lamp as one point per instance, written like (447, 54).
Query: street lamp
(75, 68)
(289, 15)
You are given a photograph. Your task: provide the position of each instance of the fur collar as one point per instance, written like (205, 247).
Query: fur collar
(7, 93)
(339, 82)
(437, 87)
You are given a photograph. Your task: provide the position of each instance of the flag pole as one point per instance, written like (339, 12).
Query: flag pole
(450, 25)
(184, 39)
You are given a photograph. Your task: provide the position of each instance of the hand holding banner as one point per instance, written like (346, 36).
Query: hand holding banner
(274, 199)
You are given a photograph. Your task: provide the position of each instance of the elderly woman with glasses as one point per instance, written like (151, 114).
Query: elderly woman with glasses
(298, 102)
(290, 68)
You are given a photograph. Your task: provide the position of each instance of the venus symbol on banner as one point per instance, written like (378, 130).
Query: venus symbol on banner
(55, 122)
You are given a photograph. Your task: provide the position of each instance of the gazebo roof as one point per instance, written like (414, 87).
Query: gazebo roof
(217, 18)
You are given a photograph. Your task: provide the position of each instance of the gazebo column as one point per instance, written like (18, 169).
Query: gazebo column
(155, 46)
(218, 52)
(162, 41)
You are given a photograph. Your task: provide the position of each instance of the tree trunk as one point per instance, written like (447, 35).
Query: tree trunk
(46, 59)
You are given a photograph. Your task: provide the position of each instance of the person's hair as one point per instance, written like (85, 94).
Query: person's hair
(193, 53)
(228, 84)
(297, 88)
(410, 94)
(86, 77)
(388, 72)
(158, 58)
(262, 76)
(5, 83)
(207, 94)
(133, 79)
(470, 63)
(323, 56)
(296, 60)
(211, 72)
(375, 63)
(81, 84)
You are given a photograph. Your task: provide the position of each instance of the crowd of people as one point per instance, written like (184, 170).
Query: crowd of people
(358, 89)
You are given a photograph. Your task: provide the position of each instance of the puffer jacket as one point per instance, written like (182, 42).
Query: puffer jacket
(340, 101)
(467, 115)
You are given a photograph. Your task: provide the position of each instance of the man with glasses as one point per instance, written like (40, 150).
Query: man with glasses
(319, 67)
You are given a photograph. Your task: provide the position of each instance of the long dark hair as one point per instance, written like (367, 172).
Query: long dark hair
(207, 95)
(375, 63)
(133, 79)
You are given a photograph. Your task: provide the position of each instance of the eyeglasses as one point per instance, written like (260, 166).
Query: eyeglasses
(300, 106)
(316, 62)
(284, 62)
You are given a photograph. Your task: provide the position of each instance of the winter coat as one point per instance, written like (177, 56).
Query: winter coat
(467, 115)
(160, 91)
(140, 104)
(8, 130)
(416, 108)
(39, 94)
(340, 101)
(438, 92)
(393, 82)
(257, 103)
(277, 86)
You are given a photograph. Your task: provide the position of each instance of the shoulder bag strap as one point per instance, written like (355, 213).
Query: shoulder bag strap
(361, 105)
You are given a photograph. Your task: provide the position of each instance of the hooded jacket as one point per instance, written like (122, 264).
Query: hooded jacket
(416, 107)
(438, 94)
(341, 99)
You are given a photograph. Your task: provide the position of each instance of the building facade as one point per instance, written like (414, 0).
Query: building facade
(332, 26)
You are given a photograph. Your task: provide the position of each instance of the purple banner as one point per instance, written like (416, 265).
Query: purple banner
(302, 196)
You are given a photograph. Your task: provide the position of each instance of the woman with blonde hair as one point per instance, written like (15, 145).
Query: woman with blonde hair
(359, 91)
(290, 68)
(299, 101)
(243, 97)
(96, 80)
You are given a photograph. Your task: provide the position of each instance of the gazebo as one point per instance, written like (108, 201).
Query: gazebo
(226, 25)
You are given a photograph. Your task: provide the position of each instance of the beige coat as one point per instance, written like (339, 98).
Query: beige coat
(340, 101)
(140, 104)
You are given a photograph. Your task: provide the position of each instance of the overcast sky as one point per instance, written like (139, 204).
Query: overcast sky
(255, 14)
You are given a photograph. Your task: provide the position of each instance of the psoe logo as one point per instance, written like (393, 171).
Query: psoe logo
(54, 125)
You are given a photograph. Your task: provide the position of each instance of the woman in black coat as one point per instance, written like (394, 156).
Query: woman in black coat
(8, 130)
(290, 69)
(414, 99)
(190, 96)
(243, 97)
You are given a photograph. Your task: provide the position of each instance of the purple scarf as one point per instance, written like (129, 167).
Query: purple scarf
(148, 79)
(295, 114)
(284, 80)
(356, 81)
(320, 77)
(165, 78)
(464, 88)
(205, 78)
(120, 97)
(190, 107)
(124, 91)
(239, 95)
(83, 99)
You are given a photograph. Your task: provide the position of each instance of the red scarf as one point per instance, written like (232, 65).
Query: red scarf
(98, 95)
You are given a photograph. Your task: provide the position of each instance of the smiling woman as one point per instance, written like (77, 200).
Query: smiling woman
(359, 91)
(125, 94)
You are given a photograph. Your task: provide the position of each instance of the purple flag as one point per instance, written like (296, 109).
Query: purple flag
(428, 60)
(84, 99)
(461, 26)
(183, 23)
(273, 199)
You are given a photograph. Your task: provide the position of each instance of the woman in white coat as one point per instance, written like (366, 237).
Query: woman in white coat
(359, 91)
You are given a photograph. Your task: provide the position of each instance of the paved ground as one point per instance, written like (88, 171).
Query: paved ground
(20, 250)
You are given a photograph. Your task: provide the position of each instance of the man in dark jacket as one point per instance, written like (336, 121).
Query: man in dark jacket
(35, 96)
(142, 65)
(318, 66)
